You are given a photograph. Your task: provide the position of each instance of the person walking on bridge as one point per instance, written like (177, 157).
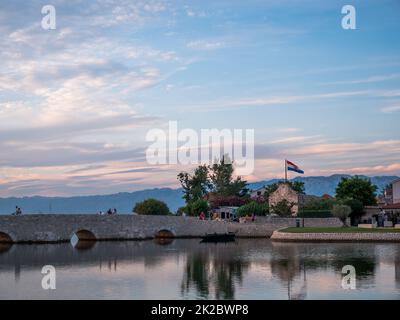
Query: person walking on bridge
(18, 211)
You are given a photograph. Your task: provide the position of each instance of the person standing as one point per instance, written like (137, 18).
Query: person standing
(18, 211)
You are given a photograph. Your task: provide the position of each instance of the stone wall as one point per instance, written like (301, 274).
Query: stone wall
(292, 236)
(57, 228)
(284, 192)
(396, 191)
(308, 222)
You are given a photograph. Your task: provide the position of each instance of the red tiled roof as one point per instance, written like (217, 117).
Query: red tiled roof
(392, 206)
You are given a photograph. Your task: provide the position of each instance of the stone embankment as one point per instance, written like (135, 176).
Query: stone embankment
(333, 237)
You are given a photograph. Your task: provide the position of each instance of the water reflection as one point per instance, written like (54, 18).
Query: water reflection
(220, 268)
(175, 269)
(295, 261)
(163, 241)
(84, 245)
(397, 267)
(4, 247)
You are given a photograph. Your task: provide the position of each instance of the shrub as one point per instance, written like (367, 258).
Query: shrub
(196, 207)
(342, 212)
(151, 207)
(259, 209)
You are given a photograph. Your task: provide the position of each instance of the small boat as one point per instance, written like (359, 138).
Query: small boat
(219, 237)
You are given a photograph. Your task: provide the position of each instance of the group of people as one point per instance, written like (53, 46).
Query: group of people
(17, 212)
(248, 218)
(108, 212)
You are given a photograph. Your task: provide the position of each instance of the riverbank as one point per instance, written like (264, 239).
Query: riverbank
(336, 234)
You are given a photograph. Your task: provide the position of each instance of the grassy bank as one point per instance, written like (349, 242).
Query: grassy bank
(339, 230)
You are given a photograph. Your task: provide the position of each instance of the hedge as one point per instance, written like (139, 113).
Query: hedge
(314, 214)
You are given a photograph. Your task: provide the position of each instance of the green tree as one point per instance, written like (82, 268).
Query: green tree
(319, 204)
(297, 186)
(357, 208)
(270, 189)
(259, 209)
(195, 186)
(342, 212)
(223, 183)
(196, 207)
(151, 207)
(180, 210)
(283, 208)
(357, 188)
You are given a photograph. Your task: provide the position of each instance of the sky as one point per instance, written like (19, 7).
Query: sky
(77, 102)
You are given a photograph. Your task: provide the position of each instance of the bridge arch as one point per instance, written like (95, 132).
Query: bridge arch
(85, 235)
(5, 238)
(164, 233)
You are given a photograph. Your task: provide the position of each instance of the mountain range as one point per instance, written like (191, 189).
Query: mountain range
(125, 201)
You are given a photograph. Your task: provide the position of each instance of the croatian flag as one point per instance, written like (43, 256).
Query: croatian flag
(292, 167)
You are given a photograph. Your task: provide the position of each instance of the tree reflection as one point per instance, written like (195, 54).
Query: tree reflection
(286, 264)
(206, 272)
(290, 262)
(197, 274)
(397, 267)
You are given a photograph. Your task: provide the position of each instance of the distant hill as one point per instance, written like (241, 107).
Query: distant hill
(124, 202)
(319, 185)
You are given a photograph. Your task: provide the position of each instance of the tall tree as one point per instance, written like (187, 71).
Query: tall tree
(357, 188)
(195, 186)
(223, 182)
(297, 186)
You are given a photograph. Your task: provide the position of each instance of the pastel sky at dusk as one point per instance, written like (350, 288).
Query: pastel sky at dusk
(76, 102)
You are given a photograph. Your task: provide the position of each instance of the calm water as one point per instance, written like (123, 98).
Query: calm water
(187, 269)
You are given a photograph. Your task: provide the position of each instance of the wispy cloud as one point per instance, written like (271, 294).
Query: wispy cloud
(289, 130)
(391, 109)
(206, 44)
(287, 99)
(296, 139)
(371, 79)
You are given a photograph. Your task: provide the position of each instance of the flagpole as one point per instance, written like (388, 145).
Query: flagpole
(285, 170)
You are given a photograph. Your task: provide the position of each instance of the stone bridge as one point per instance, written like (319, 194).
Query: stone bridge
(62, 227)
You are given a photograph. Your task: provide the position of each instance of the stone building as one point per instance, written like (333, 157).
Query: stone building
(285, 192)
(396, 191)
